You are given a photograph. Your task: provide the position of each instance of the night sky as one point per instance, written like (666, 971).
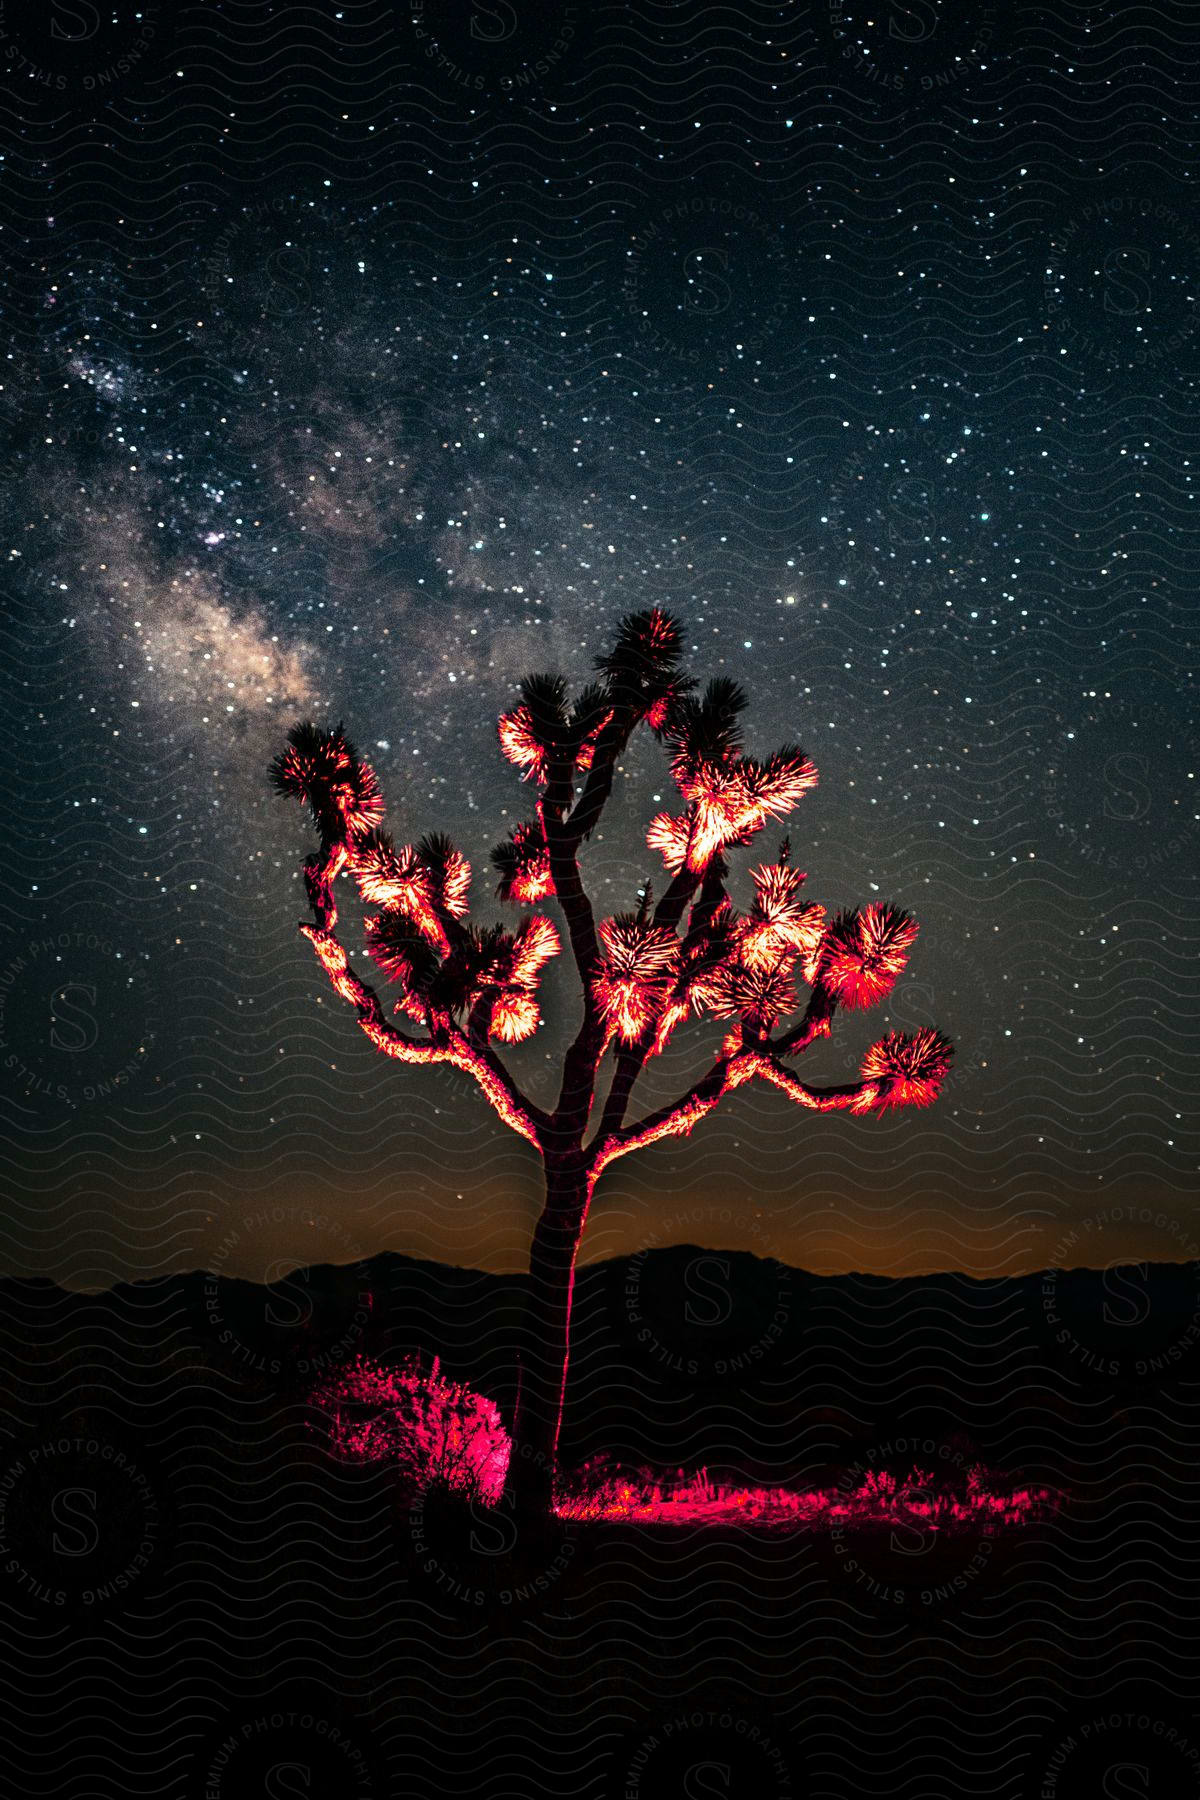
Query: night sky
(360, 361)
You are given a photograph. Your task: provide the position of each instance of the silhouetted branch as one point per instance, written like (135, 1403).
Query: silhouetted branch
(446, 1044)
(585, 815)
(667, 915)
(678, 1117)
(816, 1023)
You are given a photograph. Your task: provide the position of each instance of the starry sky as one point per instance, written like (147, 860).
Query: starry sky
(359, 361)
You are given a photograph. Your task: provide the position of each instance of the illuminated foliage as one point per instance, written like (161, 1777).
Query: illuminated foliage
(730, 796)
(758, 995)
(428, 883)
(323, 770)
(521, 745)
(515, 1012)
(449, 872)
(516, 1015)
(395, 878)
(698, 983)
(865, 952)
(430, 1431)
(775, 784)
(641, 671)
(433, 1433)
(542, 733)
(671, 837)
(489, 968)
(524, 865)
(986, 1503)
(402, 953)
(910, 1069)
(536, 941)
(635, 973)
(780, 923)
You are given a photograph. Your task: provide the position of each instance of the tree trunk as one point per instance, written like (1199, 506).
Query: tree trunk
(546, 1341)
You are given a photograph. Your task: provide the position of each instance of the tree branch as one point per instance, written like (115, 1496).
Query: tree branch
(856, 1097)
(519, 1112)
(679, 891)
(730, 1071)
(629, 1065)
(577, 1089)
(585, 816)
(667, 913)
(477, 1023)
(816, 1023)
(571, 895)
(677, 1118)
(448, 1045)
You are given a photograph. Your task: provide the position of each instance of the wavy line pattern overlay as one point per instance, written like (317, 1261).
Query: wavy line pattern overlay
(358, 360)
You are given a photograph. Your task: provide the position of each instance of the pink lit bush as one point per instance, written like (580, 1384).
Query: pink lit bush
(435, 1432)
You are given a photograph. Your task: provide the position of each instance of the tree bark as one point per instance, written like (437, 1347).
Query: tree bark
(546, 1339)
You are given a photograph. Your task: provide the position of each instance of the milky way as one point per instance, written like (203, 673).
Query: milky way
(904, 445)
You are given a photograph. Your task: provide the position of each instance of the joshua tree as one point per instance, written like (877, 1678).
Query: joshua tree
(466, 988)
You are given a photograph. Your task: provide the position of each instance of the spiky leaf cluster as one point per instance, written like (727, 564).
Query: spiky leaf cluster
(524, 865)
(912, 1068)
(703, 957)
(696, 973)
(641, 671)
(321, 768)
(426, 882)
(521, 744)
(543, 733)
(390, 877)
(487, 967)
(864, 952)
(450, 873)
(706, 728)
(730, 795)
(405, 956)
(633, 980)
(758, 996)
(501, 970)
(549, 740)
(780, 924)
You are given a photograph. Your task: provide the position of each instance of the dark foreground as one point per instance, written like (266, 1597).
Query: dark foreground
(199, 1600)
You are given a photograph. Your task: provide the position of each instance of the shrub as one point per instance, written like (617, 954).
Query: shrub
(433, 1432)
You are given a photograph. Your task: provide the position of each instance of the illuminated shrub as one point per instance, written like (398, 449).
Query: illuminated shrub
(439, 1434)
(432, 1432)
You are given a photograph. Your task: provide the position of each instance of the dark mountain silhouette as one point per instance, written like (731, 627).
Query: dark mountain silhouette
(683, 1353)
